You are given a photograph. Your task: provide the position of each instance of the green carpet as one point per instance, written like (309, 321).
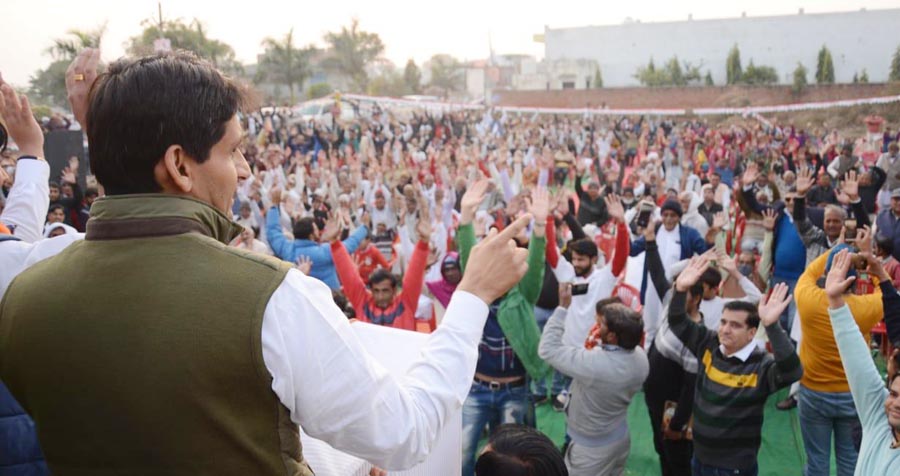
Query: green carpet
(781, 453)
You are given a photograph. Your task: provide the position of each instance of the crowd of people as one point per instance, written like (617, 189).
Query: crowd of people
(565, 260)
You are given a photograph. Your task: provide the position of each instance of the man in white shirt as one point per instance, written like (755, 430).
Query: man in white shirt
(310, 368)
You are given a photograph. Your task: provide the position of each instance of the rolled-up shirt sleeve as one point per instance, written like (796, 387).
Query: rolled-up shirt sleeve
(338, 393)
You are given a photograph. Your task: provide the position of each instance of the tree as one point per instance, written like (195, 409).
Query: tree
(350, 51)
(824, 67)
(733, 66)
(388, 83)
(598, 79)
(674, 73)
(799, 79)
(68, 47)
(894, 74)
(446, 73)
(855, 78)
(49, 85)
(676, 76)
(759, 75)
(285, 64)
(318, 90)
(185, 36)
(864, 77)
(708, 79)
(412, 77)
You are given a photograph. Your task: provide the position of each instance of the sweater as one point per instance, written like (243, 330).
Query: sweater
(876, 455)
(401, 313)
(730, 396)
(319, 253)
(822, 368)
(604, 380)
(516, 310)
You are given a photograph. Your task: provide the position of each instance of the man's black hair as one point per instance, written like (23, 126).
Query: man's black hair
(518, 450)
(54, 206)
(750, 309)
(304, 228)
(598, 308)
(626, 323)
(885, 243)
(140, 107)
(711, 277)
(382, 274)
(584, 247)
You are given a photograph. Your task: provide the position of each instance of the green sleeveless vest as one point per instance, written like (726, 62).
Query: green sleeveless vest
(138, 351)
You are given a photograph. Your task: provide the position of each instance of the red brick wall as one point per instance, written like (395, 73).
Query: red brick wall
(690, 97)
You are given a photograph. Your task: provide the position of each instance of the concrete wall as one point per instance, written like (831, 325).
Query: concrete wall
(857, 40)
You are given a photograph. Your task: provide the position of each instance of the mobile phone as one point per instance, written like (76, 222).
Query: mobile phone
(644, 213)
(849, 230)
(579, 289)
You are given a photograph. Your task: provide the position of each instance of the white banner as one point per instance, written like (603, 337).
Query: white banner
(726, 111)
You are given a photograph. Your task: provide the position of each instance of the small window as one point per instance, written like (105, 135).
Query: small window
(568, 85)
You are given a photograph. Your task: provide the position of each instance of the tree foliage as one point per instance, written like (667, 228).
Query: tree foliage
(185, 36)
(733, 66)
(800, 83)
(894, 74)
(598, 79)
(447, 73)
(824, 67)
(350, 51)
(673, 73)
(707, 80)
(285, 64)
(754, 75)
(412, 77)
(864, 76)
(318, 90)
(48, 85)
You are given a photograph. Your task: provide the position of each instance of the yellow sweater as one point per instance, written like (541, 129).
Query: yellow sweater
(822, 367)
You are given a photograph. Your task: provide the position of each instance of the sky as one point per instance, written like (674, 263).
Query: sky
(409, 28)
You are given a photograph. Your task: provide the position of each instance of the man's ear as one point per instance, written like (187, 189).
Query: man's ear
(174, 171)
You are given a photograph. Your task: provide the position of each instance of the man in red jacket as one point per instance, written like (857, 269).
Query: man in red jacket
(383, 304)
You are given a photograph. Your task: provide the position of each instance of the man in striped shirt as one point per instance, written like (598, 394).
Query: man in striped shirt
(735, 377)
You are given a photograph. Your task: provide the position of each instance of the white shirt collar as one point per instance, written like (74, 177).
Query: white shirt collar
(742, 354)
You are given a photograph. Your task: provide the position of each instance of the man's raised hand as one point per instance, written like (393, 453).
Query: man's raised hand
(471, 200)
(836, 282)
(614, 207)
(805, 180)
(23, 128)
(691, 274)
(540, 204)
(80, 76)
(496, 264)
(771, 306)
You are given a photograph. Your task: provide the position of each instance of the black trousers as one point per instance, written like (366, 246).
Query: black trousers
(664, 383)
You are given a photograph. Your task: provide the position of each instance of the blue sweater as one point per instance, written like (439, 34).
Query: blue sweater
(319, 253)
(20, 453)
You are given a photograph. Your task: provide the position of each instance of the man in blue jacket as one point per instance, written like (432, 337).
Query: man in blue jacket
(308, 241)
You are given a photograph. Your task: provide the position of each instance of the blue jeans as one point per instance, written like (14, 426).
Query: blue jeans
(821, 414)
(787, 315)
(495, 407)
(559, 381)
(700, 469)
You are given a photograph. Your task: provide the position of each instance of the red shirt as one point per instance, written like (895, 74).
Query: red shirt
(401, 313)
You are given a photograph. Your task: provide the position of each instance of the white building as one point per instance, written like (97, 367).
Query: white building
(857, 40)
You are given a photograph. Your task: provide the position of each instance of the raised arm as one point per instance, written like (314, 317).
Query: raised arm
(786, 369)
(692, 335)
(865, 381)
(28, 200)
(348, 274)
(281, 246)
(617, 212)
